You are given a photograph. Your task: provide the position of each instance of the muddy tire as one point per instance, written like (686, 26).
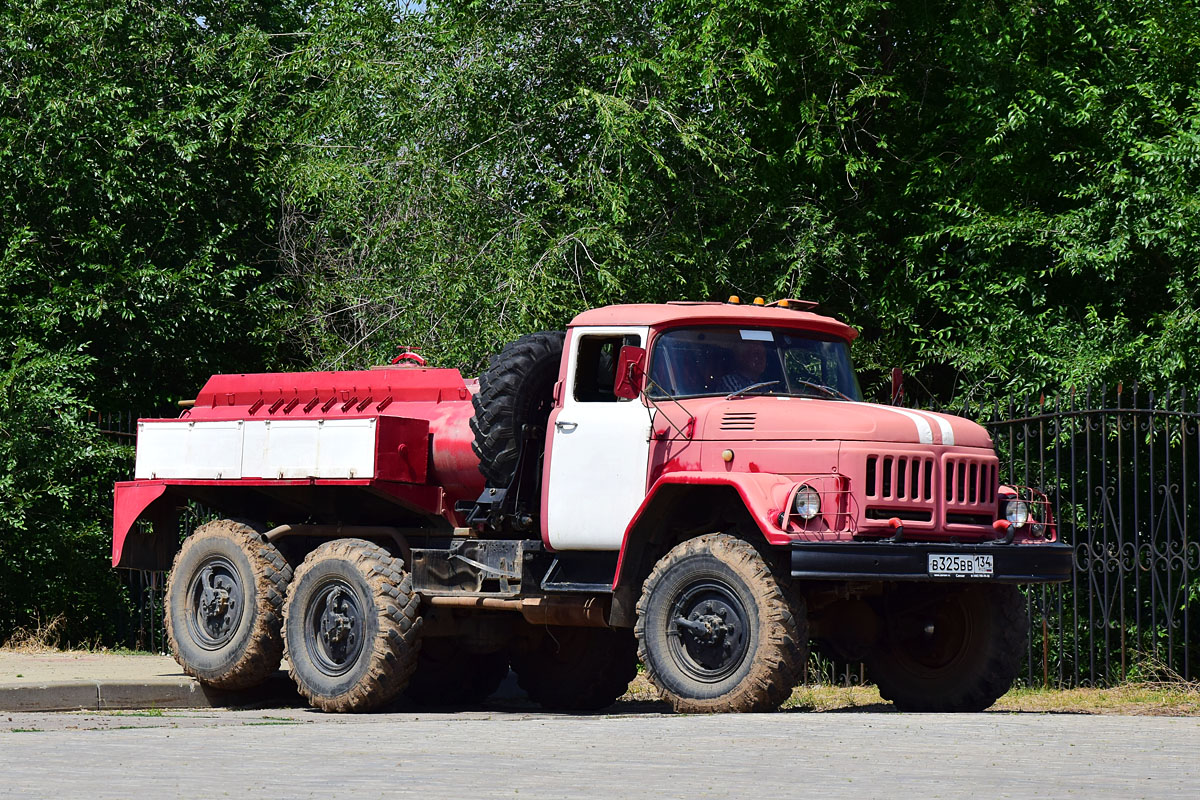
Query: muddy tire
(716, 631)
(577, 669)
(351, 626)
(224, 605)
(516, 390)
(951, 648)
(449, 676)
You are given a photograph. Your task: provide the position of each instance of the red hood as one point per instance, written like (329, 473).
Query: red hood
(760, 418)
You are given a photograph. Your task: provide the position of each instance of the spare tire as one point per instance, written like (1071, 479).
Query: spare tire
(516, 390)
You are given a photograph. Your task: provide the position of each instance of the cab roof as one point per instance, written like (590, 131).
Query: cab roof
(662, 315)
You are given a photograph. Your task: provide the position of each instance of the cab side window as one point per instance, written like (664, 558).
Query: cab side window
(596, 366)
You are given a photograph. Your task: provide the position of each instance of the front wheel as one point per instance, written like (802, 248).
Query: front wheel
(351, 626)
(950, 648)
(716, 630)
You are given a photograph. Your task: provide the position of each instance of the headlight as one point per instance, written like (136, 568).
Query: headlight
(1017, 513)
(808, 503)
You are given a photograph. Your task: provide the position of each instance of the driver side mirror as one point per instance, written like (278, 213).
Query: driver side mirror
(631, 368)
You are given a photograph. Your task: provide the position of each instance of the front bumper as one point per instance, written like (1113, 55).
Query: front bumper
(909, 561)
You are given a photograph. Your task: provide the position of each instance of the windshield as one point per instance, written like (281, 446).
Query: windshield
(696, 362)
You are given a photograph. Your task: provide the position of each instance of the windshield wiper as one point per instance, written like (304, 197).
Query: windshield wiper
(820, 387)
(749, 388)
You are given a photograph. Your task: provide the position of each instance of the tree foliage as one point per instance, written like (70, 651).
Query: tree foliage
(137, 217)
(56, 473)
(135, 188)
(1000, 194)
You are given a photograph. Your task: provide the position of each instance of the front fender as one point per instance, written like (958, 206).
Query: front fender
(763, 496)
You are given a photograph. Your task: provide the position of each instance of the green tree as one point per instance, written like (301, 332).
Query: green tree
(56, 474)
(137, 225)
(137, 206)
(1000, 195)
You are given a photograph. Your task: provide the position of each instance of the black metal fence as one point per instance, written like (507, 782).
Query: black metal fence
(142, 628)
(1122, 469)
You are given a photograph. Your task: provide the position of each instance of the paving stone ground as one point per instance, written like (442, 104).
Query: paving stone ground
(636, 753)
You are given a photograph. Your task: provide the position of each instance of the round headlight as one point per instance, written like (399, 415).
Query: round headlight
(1017, 512)
(808, 502)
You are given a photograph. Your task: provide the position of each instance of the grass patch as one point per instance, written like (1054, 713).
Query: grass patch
(25, 730)
(149, 712)
(1176, 699)
(819, 697)
(42, 637)
(47, 637)
(1152, 699)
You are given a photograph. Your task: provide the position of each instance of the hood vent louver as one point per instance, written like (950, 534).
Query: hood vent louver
(738, 421)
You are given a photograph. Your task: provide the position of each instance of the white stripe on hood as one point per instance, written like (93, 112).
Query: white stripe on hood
(924, 431)
(943, 423)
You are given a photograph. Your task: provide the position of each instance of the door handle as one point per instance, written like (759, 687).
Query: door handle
(566, 427)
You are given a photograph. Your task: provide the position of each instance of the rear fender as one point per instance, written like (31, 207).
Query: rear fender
(754, 497)
(139, 549)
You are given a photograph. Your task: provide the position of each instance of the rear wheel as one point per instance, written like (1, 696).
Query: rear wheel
(224, 605)
(951, 648)
(449, 675)
(716, 630)
(577, 669)
(351, 626)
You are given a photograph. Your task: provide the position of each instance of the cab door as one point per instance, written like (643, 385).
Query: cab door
(599, 453)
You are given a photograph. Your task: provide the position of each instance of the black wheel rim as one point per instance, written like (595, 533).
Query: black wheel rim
(941, 637)
(708, 631)
(215, 603)
(333, 627)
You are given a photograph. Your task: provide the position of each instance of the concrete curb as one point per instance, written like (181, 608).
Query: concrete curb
(81, 695)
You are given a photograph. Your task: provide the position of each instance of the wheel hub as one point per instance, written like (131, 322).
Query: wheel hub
(214, 594)
(938, 636)
(337, 627)
(708, 631)
(335, 623)
(710, 627)
(215, 602)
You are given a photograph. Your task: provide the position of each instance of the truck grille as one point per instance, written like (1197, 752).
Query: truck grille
(738, 421)
(900, 478)
(970, 482)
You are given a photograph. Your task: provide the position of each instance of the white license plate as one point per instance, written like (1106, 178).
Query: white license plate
(960, 566)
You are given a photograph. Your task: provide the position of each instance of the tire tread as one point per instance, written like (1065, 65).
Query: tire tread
(396, 647)
(272, 574)
(781, 651)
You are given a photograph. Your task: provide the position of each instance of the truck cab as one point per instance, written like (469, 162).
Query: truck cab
(763, 400)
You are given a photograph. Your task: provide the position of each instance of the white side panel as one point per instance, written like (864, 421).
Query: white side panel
(347, 449)
(273, 449)
(202, 450)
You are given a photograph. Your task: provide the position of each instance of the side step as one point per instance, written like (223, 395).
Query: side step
(582, 573)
